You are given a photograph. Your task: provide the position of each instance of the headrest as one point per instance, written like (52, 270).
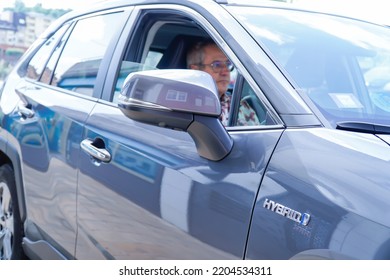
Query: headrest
(175, 55)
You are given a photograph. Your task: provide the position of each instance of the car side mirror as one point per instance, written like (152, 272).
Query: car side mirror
(184, 100)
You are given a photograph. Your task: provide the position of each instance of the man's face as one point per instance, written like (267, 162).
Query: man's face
(222, 76)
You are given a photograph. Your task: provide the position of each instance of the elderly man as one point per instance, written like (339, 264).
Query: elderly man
(208, 57)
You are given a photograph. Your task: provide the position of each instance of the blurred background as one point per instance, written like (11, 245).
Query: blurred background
(22, 21)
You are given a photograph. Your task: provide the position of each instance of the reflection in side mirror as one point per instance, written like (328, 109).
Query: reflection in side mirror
(179, 99)
(180, 91)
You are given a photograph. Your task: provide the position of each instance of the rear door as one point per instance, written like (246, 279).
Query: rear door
(144, 191)
(56, 99)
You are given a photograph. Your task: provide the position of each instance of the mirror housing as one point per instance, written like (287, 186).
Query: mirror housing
(184, 100)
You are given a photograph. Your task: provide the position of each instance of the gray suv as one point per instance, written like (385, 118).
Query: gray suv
(111, 149)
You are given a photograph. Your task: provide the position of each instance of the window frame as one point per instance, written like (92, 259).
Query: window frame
(105, 62)
(67, 27)
(135, 32)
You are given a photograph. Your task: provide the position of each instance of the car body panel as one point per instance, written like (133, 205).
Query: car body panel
(165, 201)
(46, 145)
(348, 210)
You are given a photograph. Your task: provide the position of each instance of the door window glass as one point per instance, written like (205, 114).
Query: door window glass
(37, 63)
(82, 55)
(251, 111)
(49, 69)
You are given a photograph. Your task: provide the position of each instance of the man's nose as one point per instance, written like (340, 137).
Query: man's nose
(224, 70)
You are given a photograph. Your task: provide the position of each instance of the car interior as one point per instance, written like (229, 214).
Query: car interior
(164, 45)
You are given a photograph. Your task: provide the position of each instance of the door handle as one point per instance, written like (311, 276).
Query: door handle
(96, 149)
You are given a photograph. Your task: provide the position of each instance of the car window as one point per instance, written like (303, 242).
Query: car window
(164, 45)
(251, 111)
(37, 63)
(128, 67)
(79, 62)
(49, 69)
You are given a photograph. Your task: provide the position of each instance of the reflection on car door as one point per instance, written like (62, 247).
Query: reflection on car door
(53, 112)
(158, 199)
(49, 133)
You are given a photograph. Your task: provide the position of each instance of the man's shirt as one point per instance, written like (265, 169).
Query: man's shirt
(246, 115)
(225, 108)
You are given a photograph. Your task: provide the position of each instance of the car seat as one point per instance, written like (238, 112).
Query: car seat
(175, 55)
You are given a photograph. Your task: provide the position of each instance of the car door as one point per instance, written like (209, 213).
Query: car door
(157, 198)
(144, 191)
(55, 100)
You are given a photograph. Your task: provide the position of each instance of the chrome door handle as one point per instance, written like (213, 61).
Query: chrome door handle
(92, 148)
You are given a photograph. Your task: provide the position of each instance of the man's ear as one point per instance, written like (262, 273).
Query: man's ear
(194, 67)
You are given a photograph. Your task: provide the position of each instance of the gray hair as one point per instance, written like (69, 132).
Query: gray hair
(195, 55)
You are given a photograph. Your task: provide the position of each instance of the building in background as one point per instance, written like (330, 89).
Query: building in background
(36, 24)
(17, 32)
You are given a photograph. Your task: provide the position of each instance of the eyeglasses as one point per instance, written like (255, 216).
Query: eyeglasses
(218, 66)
